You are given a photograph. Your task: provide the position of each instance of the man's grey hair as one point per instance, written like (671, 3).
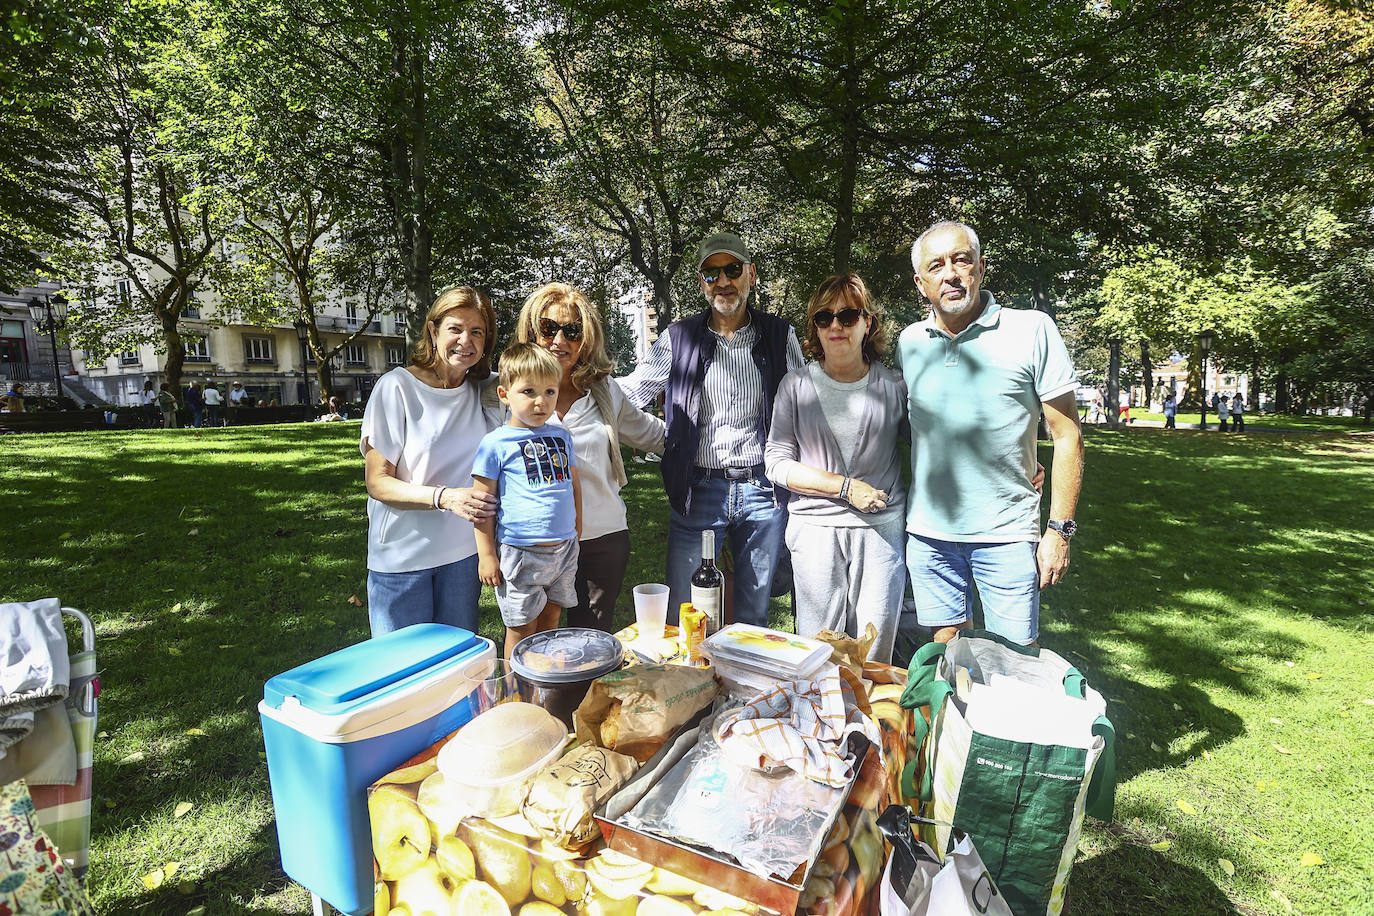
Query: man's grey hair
(939, 227)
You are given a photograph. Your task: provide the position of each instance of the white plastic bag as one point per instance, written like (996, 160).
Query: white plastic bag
(959, 887)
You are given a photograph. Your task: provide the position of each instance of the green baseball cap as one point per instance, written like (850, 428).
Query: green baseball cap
(722, 242)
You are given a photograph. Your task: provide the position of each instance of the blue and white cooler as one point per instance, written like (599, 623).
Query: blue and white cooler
(334, 726)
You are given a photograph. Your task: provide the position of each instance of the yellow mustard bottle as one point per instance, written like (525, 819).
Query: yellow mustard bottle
(692, 630)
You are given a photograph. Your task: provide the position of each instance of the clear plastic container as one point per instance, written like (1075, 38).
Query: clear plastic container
(493, 758)
(750, 659)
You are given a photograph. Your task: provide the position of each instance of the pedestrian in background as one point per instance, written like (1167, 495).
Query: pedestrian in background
(1238, 412)
(167, 403)
(1170, 411)
(1223, 405)
(213, 399)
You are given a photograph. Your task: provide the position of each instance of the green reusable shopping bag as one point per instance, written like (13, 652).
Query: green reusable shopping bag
(1018, 784)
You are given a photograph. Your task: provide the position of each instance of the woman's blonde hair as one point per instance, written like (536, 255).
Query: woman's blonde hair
(593, 362)
(451, 300)
(838, 293)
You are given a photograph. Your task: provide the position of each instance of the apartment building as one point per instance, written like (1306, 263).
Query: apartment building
(271, 361)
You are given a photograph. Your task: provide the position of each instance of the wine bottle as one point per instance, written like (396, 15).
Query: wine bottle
(708, 584)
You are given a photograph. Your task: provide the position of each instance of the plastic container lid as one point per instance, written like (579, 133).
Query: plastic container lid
(763, 650)
(566, 656)
(507, 743)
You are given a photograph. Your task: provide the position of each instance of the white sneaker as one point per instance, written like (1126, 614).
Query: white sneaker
(652, 457)
(637, 459)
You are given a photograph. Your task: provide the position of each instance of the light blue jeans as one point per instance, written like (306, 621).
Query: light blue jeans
(943, 574)
(745, 510)
(445, 594)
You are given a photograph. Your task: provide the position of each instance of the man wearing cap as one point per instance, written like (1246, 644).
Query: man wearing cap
(719, 371)
(978, 377)
(236, 394)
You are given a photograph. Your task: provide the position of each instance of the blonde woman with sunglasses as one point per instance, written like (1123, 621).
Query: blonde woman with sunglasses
(591, 406)
(833, 445)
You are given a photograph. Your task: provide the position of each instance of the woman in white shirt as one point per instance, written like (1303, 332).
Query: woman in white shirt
(419, 436)
(591, 406)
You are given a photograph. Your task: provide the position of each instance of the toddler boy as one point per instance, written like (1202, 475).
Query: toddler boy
(529, 550)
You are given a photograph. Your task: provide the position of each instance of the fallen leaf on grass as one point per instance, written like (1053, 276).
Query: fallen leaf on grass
(1314, 675)
(1344, 715)
(103, 735)
(1156, 748)
(1311, 860)
(1275, 721)
(1291, 664)
(1368, 702)
(1236, 668)
(353, 600)
(110, 803)
(182, 808)
(176, 608)
(1116, 632)
(1228, 867)
(1162, 846)
(135, 757)
(195, 731)
(1178, 708)
(1282, 899)
(1280, 748)
(171, 868)
(173, 650)
(193, 531)
(1259, 839)
(227, 646)
(153, 880)
(64, 535)
(1186, 808)
(198, 911)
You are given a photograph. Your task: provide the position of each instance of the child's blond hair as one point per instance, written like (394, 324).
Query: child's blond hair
(522, 360)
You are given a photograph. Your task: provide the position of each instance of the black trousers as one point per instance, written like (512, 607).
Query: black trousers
(601, 564)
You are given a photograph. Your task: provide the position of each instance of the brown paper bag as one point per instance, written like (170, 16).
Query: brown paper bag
(562, 798)
(636, 709)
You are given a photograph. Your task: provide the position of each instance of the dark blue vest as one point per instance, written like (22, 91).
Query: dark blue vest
(693, 348)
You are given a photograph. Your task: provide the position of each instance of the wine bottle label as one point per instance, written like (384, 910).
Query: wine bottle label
(708, 601)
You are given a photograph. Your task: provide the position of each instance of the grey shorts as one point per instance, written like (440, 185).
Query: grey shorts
(534, 576)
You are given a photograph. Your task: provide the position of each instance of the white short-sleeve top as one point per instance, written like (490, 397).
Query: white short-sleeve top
(431, 436)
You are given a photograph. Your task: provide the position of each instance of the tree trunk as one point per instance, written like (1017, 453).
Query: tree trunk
(1283, 402)
(1254, 398)
(1113, 386)
(176, 355)
(1147, 370)
(844, 198)
(663, 301)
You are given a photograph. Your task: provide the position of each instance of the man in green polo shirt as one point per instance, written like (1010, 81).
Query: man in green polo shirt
(978, 377)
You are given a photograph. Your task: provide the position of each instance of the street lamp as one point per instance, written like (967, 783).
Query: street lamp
(303, 333)
(50, 314)
(1204, 342)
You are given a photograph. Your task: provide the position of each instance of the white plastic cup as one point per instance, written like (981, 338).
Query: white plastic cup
(651, 610)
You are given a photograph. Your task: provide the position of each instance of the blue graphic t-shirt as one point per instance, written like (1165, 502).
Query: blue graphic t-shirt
(533, 473)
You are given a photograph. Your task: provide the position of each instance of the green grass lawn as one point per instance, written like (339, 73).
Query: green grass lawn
(1219, 598)
(1273, 421)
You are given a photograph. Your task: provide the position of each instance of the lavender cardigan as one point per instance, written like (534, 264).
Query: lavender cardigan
(801, 433)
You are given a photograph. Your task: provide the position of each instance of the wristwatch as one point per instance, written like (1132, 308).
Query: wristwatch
(1067, 528)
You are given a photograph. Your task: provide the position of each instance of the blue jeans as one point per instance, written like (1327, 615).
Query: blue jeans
(943, 574)
(445, 594)
(745, 510)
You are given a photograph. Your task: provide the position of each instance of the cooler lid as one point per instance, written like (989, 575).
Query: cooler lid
(567, 655)
(329, 684)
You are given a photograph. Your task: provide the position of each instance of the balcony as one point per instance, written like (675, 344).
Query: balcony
(25, 372)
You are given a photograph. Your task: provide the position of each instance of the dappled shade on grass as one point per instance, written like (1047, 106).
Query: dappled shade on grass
(1218, 597)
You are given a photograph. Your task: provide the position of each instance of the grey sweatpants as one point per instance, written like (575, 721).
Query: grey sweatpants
(846, 578)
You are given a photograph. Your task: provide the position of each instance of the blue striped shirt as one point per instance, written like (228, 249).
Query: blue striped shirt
(730, 402)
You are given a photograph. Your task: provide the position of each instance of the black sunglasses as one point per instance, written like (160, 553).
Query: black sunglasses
(847, 318)
(732, 270)
(548, 329)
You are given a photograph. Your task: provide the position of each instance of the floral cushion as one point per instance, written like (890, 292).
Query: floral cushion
(33, 879)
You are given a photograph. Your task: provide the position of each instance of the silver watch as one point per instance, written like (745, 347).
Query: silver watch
(1066, 528)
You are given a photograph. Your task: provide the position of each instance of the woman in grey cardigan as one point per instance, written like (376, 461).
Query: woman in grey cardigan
(833, 444)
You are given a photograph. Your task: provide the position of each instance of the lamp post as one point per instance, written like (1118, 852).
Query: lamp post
(49, 314)
(303, 334)
(1204, 342)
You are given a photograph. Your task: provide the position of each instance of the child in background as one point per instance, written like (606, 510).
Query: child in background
(528, 552)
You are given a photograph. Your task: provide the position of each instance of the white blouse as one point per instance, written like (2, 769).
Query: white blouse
(431, 436)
